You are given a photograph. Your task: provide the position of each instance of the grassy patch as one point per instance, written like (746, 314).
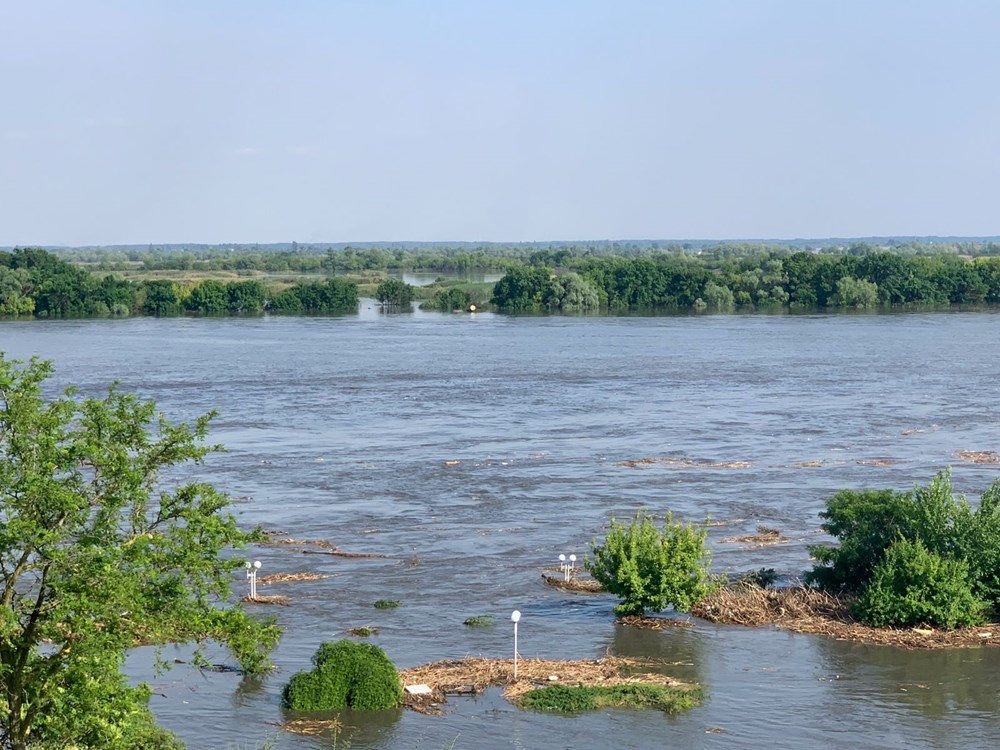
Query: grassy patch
(481, 621)
(386, 604)
(577, 699)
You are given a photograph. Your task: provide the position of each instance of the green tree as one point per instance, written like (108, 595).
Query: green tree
(650, 568)
(99, 553)
(852, 292)
(394, 293)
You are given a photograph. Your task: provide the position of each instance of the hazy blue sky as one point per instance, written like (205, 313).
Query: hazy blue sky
(139, 121)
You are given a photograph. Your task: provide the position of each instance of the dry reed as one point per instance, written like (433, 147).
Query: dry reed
(585, 585)
(805, 610)
(292, 577)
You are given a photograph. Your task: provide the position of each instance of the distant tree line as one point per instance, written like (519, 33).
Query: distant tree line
(799, 280)
(36, 282)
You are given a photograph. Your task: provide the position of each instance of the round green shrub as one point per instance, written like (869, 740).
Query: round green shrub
(913, 586)
(346, 674)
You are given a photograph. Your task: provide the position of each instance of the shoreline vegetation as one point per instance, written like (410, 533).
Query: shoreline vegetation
(590, 278)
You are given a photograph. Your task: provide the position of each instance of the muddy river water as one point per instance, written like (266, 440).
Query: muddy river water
(471, 450)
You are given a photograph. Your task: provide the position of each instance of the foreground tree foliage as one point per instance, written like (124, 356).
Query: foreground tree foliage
(345, 674)
(651, 568)
(917, 557)
(98, 555)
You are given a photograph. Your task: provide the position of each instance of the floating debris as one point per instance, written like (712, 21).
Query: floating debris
(311, 727)
(261, 599)
(323, 547)
(763, 538)
(686, 463)
(586, 585)
(473, 675)
(291, 577)
(978, 457)
(364, 631)
(876, 462)
(653, 623)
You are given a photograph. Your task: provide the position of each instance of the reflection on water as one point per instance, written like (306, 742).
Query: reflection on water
(470, 450)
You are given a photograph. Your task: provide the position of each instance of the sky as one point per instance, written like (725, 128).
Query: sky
(172, 121)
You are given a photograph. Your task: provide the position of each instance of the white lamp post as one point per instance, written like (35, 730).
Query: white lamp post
(562, 567)
(252, 577)
(572, 566)
(515, 617)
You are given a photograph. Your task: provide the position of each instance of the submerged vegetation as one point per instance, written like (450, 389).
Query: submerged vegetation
(580, 698)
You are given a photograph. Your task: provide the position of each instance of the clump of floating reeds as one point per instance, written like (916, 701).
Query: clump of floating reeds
(653, 623)
(386, 604)
(801, 609)
(764, 537)
(320, 547)
(364, 631)
(265, 599)
(293, 577)
(311, 727)
(474, 675)
(978, 457)
(575, 583)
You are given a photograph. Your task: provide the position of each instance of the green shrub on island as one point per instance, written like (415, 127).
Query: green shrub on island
(651, 569)
(913, 586)
(580, 698)
(917, 557)
(345, 674)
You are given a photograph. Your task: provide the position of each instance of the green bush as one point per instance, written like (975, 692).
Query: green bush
(345, 673)
(913, 586)
(652, 569)
(868, 524)
(394, 293)
(386, 604)
(480, 621)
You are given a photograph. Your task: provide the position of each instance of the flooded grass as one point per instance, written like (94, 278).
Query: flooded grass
(581, 698)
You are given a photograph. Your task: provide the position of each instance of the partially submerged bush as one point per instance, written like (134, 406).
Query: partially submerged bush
(649, 568)
(762, 578)
(579, 698)
(949, 551)
(386, 604)
(913, 586)
(346, 674)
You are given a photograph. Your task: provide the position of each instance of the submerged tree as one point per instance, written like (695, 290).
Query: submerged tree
(97, 555)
